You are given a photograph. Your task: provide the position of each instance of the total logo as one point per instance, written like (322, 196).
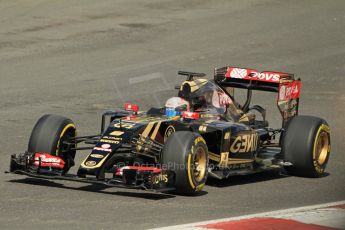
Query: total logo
(104, 148)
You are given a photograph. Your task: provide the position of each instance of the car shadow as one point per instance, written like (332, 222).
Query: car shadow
(95, 188)
(325, 174)
(246, 179)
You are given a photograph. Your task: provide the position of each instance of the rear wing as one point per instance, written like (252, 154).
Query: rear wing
(284, 84)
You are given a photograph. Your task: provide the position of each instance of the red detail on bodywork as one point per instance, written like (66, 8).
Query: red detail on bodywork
(289, 90)
(251, 74)
(119, 171)
(131, 107)
(191, 115)
(265, 224)
(342, 206)
(47, 160)
(131, 117)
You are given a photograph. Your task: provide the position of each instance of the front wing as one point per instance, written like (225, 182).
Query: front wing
(131, 177)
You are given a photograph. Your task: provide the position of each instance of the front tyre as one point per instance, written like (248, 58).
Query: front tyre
(48, 135)
(185, 153)
(306, 144)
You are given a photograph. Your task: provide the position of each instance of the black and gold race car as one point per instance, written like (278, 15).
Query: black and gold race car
(202, 132)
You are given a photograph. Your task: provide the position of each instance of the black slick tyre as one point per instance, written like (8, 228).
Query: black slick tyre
(306, 144)
(186, 154)
(47, 137)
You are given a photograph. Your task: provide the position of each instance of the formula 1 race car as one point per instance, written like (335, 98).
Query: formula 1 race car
(202, 132)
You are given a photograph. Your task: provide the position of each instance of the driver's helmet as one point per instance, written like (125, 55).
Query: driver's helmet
(175, 106)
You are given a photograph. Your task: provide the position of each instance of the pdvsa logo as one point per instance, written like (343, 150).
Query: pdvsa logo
(266, 76)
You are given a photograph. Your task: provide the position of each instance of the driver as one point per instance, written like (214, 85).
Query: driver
(208, 98)
(175, 106)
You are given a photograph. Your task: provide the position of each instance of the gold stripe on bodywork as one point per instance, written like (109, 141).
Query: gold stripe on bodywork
(145, 133)
(154, 134)
(148, 129)
(239, 161)
(214, 156)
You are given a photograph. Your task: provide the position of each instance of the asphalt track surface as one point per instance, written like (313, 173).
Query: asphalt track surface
(79, 58)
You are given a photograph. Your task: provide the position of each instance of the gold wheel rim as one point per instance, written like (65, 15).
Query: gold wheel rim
(199, 164)
(322, 147)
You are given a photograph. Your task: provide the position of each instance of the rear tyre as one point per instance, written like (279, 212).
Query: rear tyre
(47, 137)
(306, 144)
(186, 154)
